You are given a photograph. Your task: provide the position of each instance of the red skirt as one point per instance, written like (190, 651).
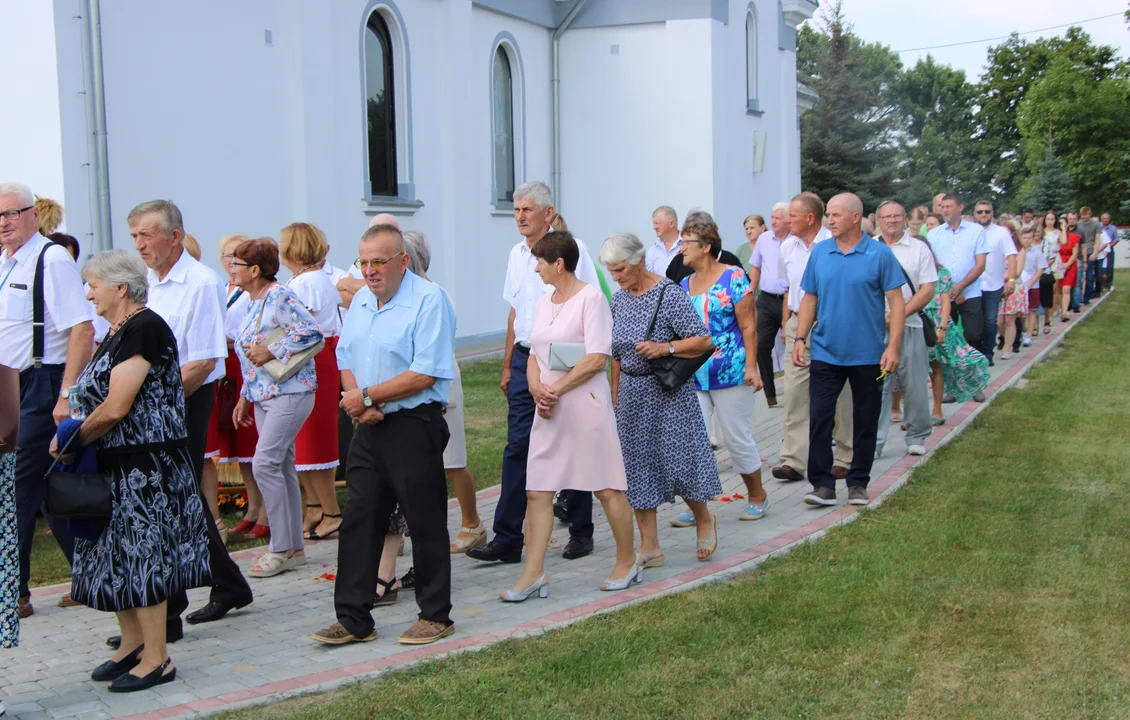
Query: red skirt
(238, 446)
(316, 445)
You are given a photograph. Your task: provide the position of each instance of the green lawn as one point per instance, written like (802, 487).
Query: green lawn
(996, 584)
(485, 421)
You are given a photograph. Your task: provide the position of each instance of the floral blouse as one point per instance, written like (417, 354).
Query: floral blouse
(279, 308)
(718, 309)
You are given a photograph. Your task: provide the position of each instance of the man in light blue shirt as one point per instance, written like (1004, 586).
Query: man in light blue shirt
(845, 283)
(396, 353)
(961, 248)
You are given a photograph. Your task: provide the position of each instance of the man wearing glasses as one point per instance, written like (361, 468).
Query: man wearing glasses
(396, 353)
(46, 334)
(999, 278)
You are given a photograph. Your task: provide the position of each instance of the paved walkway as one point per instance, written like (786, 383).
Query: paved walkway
(265, 653)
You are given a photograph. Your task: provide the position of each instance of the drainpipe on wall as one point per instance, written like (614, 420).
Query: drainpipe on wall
(555, 179)
(96, 128)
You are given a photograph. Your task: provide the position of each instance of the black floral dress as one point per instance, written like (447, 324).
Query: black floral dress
(663, 435)
(155, 543)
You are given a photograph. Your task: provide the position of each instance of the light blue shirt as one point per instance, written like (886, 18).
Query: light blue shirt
(415, 330)
(957, 251)
(850, 292)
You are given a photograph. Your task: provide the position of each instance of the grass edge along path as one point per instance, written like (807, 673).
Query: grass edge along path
(993, 585)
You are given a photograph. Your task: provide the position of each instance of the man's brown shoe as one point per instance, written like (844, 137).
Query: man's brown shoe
(839, 472)
(425, 632)
(66, 601)
(26, 610)
(784, 472)
(336, 634)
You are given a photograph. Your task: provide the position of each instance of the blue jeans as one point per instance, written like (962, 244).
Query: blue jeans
(1077, 293)
(510, 513)
(990, 306)
(1091, 291)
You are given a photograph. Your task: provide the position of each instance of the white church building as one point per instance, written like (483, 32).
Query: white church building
(251, 114)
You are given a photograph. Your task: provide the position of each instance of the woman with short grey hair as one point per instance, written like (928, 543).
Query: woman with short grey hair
(153, 545)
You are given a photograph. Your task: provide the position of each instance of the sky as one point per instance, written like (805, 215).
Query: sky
(907, 24)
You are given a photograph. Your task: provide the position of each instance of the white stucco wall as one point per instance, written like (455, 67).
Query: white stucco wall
(30, 121)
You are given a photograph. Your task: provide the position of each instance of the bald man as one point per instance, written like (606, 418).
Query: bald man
(384, 219)
(845, 283)
(348, 286)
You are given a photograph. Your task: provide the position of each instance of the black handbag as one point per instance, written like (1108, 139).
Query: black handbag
(929, 330)
(78, 496)
(672, 372)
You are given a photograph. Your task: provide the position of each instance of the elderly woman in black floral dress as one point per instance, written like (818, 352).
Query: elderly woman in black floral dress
(154, 544)
(663, 435)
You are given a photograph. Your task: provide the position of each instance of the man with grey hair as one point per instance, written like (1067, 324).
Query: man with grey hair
(845, 282)
(190, 298)
(46, 334)
(764, 262)
(665, 222)
(533, 209)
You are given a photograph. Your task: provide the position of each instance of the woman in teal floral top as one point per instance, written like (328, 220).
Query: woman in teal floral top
(280, 407)
(728, 381)
(959, 370)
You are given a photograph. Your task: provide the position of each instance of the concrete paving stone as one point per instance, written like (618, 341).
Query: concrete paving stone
(32, 716)
(54, 702)
(79, 709)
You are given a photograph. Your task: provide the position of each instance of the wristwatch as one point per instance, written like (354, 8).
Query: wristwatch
(670, 348)
(368, 401)
(802, 339)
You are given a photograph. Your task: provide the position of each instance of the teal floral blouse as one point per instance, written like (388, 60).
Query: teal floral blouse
(718, 310)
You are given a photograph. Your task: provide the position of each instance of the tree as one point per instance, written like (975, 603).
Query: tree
(1049, 187)
(1013, 69)
(1087, 122)
(847, 142)
(937, 146)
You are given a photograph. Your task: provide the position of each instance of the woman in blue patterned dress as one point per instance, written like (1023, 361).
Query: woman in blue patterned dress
(9, 555)
(727, 382)
(154, 544)
(662, 434)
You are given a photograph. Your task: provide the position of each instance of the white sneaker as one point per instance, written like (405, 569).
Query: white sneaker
(1026, 342)
(916, 450)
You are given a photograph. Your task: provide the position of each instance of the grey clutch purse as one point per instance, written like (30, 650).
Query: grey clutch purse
(565, 356)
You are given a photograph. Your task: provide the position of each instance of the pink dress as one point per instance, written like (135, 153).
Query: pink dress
(578, 448)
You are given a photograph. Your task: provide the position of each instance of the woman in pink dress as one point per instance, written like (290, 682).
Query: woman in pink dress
(573, 441)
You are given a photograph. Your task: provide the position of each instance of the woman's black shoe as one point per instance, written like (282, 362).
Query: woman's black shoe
(132, 683)
(111, 670)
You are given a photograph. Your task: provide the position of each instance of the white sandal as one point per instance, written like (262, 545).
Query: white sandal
(461, 546)
(273, 563)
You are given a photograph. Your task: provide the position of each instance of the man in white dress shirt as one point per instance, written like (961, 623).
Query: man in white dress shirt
(806, 213)
(764, 263)
(665, 222)
(191, 299)
(533, 209)
(39, 282)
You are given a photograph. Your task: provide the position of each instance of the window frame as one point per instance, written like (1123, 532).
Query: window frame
(378, 26)
(752, 46)
(506, 44)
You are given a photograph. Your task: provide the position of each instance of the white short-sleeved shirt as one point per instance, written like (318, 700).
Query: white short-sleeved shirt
(792, 262)
(191, 300)
(317, 292)
(336, 274)
(1034, 264)
(64, 302)
(658, 258)
(999, 240)
(523, 287)
(918, 262)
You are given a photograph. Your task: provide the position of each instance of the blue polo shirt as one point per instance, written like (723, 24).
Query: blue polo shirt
(851, 325)
(957, 251)
(415, 330)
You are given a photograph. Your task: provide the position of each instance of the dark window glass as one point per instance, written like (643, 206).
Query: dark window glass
(379, 109)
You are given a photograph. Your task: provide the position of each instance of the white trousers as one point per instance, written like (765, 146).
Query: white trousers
(733, 410)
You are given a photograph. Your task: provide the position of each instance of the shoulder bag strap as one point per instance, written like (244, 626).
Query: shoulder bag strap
(654, 315)
(37, 311)
(234, 297)
(908, 281)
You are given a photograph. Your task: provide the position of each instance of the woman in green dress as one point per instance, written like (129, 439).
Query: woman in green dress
(958, 368)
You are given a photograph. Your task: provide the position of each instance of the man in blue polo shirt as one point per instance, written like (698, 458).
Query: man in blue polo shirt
(845, 284)
(961, 248)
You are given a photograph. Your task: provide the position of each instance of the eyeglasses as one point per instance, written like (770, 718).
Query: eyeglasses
(983, 212)
(892, 217)
(240, 264)
(14, 215)
(229, 256)
(375, 264)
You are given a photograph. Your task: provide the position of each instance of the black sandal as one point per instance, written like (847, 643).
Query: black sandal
(408, 580)
(306, 533)
(315, 536)
(389, 595)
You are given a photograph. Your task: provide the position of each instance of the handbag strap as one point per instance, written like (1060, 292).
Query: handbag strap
(37, 310)
(654, 315)
(908, 280)
(62, 452)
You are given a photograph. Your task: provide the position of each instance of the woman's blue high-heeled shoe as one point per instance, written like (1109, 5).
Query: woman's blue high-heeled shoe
(634, 575)
(540, 586)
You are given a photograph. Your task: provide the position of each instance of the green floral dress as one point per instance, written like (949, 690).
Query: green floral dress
(965, 370)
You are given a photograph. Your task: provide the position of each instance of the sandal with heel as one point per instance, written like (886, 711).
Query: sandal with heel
(307, 532)
(314, 534)
(388, 597)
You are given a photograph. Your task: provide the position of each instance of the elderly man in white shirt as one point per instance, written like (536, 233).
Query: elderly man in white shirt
(533, 209)
(665, 222)
(806, 211)
(764, 264)
(191, 299)
(39, 283)
(921, 271)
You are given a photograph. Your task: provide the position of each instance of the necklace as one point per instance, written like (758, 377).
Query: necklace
(123, 321)
(555, 308)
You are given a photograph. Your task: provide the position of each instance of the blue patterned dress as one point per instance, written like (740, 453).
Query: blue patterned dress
(718, 309)
(9, 555)
(662, 434)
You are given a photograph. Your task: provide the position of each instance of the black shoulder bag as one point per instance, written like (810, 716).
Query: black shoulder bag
(76, 495)
(929, 332)
(672, 372)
